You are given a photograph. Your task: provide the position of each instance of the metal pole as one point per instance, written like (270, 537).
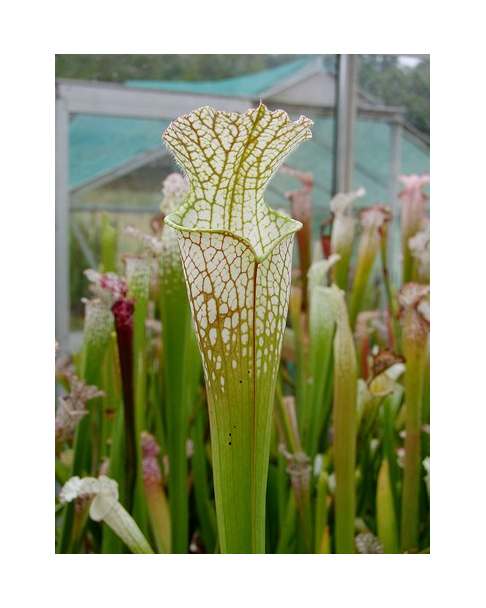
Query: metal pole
(345, 120)
(394, 242)
(62, 226)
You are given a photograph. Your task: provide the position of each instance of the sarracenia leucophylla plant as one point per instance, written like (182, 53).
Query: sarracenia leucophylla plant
(236, 254)
(344, 423)
(412, 210)
(343, 233)
(416, 329)
(104, 506)
(373, 222)
(301, 210)
(98, 323)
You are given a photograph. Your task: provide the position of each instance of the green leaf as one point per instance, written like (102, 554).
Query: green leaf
(321, 335)
(415, 339)
(385, 511)
(108, 244)
(344, 424)
(181, 370)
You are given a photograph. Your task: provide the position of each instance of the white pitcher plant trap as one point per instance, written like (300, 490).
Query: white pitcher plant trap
(236, 254)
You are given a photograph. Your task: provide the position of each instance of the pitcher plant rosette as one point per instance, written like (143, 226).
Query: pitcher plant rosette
(236, 254)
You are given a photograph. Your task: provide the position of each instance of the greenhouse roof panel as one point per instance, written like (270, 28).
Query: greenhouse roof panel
(101, 144)
(104, 145)
(246, 85)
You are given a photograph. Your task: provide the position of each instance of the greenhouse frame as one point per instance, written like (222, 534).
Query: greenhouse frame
(105, 131)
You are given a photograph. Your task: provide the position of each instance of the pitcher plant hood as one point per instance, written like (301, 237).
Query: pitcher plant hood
(229, 159)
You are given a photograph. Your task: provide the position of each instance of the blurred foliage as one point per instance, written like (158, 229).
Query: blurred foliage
(118, 68)
(399, 84)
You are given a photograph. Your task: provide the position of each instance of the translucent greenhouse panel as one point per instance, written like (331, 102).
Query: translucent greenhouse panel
(104, 147)
(116, 167)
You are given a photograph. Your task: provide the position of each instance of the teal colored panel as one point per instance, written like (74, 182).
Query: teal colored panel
(100, 144)
(372, 161)
(414, 159)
